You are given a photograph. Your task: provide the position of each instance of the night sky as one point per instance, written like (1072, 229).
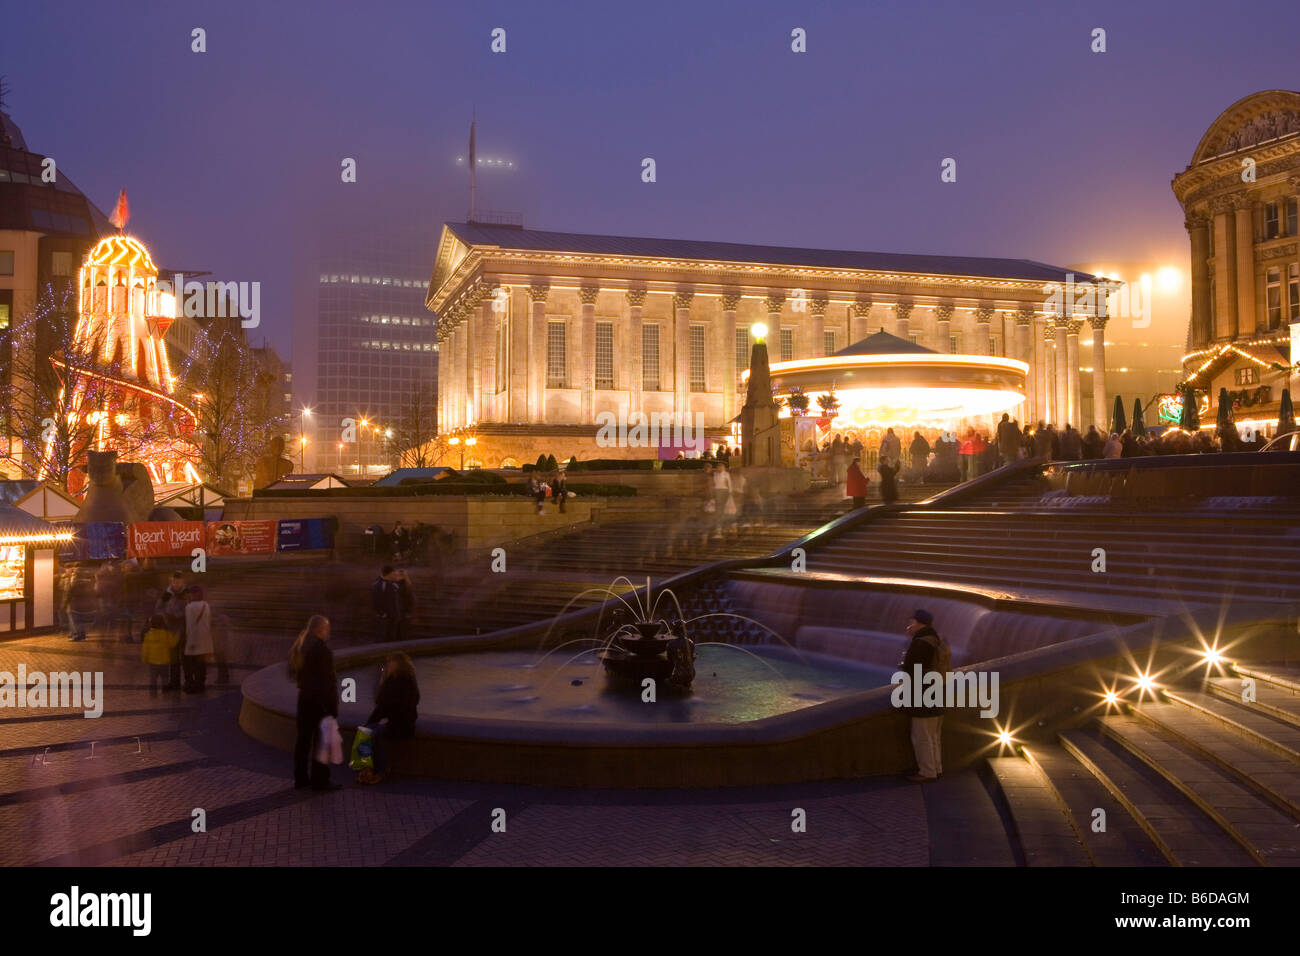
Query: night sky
(232, 157)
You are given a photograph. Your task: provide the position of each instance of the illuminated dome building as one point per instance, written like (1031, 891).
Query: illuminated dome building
(122, 318)
(885, 381)
(1240, 195)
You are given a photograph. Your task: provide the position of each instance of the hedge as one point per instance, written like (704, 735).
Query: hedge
(436, 488)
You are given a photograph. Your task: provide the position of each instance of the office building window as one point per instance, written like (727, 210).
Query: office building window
(556, 360)
(1273, 297)
(828, 342)
(60, 263)
(743, 348)
(650, 358)
(697, 358)
(503, 353)
(1270, 220)
(915, 337)
(995, 345)
(6, 262)
(1291, 216)
(954, 344)
(605, 355)
(1293, 292)
(787, 345)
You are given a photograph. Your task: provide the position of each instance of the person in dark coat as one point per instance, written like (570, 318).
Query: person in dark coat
(397, 704)
(918, 454)
(1092, 443)
(856, 484)
(1008, 440)
(927, 722)
(389, 604)
(888, 468)
(311, 664)
(83, 602)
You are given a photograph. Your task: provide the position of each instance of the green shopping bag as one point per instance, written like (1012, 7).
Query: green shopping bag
(363, 751)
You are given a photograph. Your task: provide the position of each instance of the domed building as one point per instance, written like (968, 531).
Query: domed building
(1239, 196)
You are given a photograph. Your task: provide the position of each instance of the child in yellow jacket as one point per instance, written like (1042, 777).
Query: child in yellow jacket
(156, 650)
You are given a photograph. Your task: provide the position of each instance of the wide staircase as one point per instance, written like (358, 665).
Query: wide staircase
(541, 580)
(1204, 775)
(1023, 537)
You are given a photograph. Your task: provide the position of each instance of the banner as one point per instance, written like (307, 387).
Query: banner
(92, 541)
(306, 534)
(241, 537)
(163, 539)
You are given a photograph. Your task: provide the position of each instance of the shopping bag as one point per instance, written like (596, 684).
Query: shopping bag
(730, 507)
(363, 750)
(329, 743)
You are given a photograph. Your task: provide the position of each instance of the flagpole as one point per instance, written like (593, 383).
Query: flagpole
(473, 170)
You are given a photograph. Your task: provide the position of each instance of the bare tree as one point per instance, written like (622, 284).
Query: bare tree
(65, 396)
(233, 396)
(414, 438)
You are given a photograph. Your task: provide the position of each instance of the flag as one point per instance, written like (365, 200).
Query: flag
(122, 213)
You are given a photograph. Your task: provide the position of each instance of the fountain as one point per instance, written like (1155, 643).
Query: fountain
(639, 650)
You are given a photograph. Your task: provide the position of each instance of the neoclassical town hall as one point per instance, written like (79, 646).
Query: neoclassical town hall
(541, 332)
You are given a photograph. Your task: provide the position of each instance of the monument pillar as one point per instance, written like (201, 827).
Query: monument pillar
(1100, 400)
(903, 321)
(1074, 389)
(983, 318)
(1198, 229)
(730, 301)
(1061, 398)
(861, 320)
(585, 355)
(1025, 352)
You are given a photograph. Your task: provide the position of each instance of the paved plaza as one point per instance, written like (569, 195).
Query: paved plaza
(121, 790)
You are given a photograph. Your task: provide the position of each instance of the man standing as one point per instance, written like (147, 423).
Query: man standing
(1008, 440)
(386, 599)
(931, 653)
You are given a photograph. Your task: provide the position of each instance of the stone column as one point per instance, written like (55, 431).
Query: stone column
(518, 355)
(903, 321)
(729, 302)
(1225, 303)
(861, 324)
(585, 369)
(1198, 229)
(682, 353)
(1074, 393)
(1245, 269)
(1025, 352)
(635, 302)
(983, 317)
(485, 386)
(1047, 386)
(537, 295)
(1100, 400)
(943, 328)
(1061, 395)
(817, 327)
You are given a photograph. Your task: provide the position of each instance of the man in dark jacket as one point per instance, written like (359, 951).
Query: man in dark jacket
(318, 698)
(1008, 440)
(1092, 443)
(387, 600)
(927, 722)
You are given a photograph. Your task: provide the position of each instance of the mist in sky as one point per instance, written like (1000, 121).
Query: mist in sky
(231, 157)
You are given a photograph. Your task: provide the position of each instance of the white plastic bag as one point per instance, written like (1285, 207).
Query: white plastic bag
(329, 742)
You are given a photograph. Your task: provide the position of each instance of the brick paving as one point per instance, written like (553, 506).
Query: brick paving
(158, 757)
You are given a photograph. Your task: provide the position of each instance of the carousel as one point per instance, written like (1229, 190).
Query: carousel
(884, 382)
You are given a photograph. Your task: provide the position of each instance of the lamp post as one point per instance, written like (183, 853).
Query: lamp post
(304, 413)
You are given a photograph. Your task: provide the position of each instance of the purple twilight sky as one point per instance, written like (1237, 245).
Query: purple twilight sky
(231, 157)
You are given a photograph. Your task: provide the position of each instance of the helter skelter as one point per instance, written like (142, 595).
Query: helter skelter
(122, 382)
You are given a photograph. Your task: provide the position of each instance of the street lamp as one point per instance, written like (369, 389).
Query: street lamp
(303, 413)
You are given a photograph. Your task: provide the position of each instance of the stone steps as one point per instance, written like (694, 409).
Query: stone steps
(1182, 833)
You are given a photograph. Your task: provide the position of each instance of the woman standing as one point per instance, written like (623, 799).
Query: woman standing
(396, 704)
(311, 663)
(198, 641)
(83, 603)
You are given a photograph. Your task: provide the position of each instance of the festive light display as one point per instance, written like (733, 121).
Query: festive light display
(128, 394)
